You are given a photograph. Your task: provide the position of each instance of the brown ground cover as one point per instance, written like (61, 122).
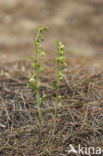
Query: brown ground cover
(80, 113)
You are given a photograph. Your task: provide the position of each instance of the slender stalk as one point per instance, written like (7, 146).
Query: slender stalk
(57, 92)
(37, 85)
(39, 103)
(57, 88)
(60, 63)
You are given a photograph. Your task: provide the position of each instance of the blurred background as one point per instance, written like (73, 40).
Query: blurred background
(77, 23)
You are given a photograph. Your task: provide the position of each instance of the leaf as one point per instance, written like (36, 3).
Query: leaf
(53, 111)
(32, 84)
(41, 37)
(61, 97)
(35, 87)
(42, 53)
(43, 29)
(37, 42)
(45, 97)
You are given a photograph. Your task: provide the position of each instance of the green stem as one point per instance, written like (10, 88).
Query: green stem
(39, 103)
(57, 93)
(37, 85)
(57, 89)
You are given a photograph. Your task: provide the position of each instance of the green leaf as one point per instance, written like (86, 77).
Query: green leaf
(40, 46)
(35, 87)
(41, 37)
(42, 53)
(43, 29)
(40, 69)
(36, 65)
(61, 97)
(45, 97)
(37, 42)
(53, 111)
(32, 84)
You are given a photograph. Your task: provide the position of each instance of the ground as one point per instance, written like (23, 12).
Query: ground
(79, 25)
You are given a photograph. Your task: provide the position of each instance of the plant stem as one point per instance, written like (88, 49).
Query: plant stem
(37, 85)
(57, 93)
(39, 104)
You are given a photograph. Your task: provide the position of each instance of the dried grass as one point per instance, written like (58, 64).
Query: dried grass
(80, 114)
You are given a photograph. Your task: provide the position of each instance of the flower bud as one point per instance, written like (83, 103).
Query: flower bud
(42, 54)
